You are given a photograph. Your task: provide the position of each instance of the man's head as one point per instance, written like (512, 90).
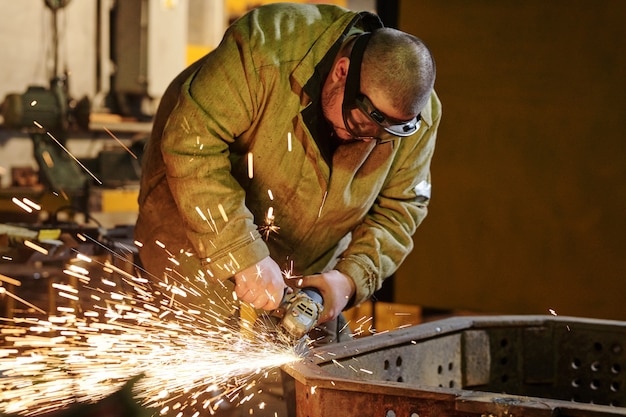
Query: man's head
(378, 85)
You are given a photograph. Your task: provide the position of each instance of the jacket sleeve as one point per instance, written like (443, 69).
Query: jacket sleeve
(215, 106)
(384, 239)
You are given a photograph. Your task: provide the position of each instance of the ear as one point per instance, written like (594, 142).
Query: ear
(339, 71)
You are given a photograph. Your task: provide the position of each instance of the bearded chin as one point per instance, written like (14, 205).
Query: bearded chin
(330, 99)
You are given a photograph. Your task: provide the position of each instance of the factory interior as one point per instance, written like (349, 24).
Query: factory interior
(523, 242)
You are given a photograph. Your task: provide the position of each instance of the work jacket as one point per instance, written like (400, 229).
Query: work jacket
(235, 150)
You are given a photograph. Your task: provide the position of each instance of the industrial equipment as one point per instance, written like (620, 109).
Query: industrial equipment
(298, 313)
(47, 114)
(496, 366)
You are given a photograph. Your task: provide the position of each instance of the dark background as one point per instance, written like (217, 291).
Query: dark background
(529, 175)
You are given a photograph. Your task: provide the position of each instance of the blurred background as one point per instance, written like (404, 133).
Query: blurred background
(529, 203)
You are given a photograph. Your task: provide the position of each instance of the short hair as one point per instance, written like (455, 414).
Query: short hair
(401, 67)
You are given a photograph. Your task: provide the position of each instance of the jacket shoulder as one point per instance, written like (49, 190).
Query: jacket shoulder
(288, 28)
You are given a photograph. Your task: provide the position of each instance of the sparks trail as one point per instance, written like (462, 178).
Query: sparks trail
(51, 136)
(120, 143)
(111, 326)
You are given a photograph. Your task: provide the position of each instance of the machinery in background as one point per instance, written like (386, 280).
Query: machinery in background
(48, 114)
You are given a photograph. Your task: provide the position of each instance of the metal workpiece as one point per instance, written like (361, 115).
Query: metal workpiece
(492, 366)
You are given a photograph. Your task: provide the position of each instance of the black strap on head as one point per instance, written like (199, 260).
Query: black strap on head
(353, 79)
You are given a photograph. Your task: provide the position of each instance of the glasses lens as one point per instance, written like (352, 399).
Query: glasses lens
(359, 125)
(396, 128)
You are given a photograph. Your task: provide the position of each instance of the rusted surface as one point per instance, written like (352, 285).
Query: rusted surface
(458, 367)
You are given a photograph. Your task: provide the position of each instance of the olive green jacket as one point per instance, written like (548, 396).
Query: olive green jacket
(237, 141)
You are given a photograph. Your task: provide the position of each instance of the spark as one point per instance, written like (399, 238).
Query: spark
(269, 225)
(180, 351)
(32, 204)
(289, 141)
(22, 205)
(289, 274)
(202, 216)
(82, 257)
(319, 213)
(51, 136)
(250, 165)
(553, 312)
(10, 280)
(3, 291)
(220, 207)
(35, 246)
(121, 143)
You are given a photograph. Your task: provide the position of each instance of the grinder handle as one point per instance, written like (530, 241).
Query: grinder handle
(314, 294)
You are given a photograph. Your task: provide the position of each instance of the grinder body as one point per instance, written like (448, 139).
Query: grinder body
(298, 313)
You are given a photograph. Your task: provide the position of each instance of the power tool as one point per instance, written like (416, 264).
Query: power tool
(298, 313)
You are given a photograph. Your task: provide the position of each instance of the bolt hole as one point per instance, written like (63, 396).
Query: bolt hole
(450, 366)
(576, 383)
(597, 346)
(440, 369)
(399, 361)
(504, 361)
(615, 386)
(504, 378)
(451, 384)
(616, 368)
(595, 367)
(616, 349)
(504, 342)
(386, 364)
(400, 379)
(576, 363)
(595, 384)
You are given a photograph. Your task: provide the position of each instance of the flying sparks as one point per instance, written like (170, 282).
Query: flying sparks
(51, 136)
(269, 226)
(186, 353)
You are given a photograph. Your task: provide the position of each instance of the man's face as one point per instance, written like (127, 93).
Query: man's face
(355, 108)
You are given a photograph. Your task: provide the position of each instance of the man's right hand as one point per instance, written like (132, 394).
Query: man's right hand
(261, 285)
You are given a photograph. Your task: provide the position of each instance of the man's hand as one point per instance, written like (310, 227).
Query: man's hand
(261, 285)
(336, 289)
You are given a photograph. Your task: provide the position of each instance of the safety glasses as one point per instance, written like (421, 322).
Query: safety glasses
(361, 118)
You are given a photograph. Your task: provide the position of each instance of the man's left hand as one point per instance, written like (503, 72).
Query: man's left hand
(336, 289)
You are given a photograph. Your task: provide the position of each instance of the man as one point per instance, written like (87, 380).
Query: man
(302, 144)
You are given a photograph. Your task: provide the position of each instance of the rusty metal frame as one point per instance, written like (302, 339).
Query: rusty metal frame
(320, 391)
